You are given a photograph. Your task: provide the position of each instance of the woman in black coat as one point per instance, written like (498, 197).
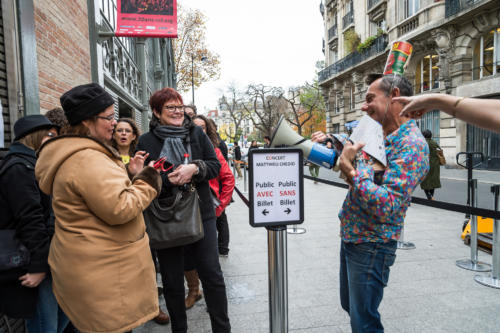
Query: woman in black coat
(26, 292)
(170, 131)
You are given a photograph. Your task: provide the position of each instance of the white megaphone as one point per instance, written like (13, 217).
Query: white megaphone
(315, 153)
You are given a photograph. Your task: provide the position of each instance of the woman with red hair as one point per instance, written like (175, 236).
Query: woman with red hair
(171, 136)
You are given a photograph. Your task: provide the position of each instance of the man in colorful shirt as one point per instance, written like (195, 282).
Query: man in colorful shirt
(373, 212)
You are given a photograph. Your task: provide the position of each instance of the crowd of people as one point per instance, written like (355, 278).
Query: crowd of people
(75, 189)
(76, 183)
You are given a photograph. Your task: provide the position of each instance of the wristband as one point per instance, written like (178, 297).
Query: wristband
(458, 101)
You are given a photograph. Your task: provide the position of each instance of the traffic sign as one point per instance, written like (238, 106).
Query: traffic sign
(276, 187)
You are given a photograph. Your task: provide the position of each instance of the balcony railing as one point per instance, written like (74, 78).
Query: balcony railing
(408, 26)
(372, 3)
(453, 7)
(354, 58)
(347, 19)
(332, 32)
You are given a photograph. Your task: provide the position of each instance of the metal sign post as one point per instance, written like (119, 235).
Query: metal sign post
(473, 264)
(278, 279)
(493, 279)
(402, 245)
(276, 200)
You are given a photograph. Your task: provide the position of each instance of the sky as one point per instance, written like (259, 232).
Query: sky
(271, 42)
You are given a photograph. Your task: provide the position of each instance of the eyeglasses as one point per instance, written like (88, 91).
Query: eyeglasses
(173, 108)
(111, 117)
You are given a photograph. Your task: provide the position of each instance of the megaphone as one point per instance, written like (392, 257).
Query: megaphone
(315, 153)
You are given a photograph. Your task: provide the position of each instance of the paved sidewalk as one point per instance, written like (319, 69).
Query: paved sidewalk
(427, 292)
(483, 176)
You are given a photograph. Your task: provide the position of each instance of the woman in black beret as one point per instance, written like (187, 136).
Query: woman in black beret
(103, 275)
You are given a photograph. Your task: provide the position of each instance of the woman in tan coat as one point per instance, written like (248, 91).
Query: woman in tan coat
(103, 275)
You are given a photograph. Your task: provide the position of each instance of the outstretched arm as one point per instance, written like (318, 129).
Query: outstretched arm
(484, 113)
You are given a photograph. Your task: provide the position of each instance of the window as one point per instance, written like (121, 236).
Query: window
(430, 121)
(352, 102)
(333, 56)
(337, 104)
(427, 74)
(336, 128)
(408, 8)
(376, 25)
(486, 56)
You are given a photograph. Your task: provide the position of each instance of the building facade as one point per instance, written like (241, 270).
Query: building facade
(456, 51)
(50, 46)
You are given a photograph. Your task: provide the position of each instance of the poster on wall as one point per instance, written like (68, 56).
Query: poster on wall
(146, 18)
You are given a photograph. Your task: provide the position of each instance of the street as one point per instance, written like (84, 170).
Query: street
(426, 292)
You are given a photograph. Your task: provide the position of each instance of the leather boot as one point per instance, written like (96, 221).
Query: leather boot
(162, 318)
(194, 293)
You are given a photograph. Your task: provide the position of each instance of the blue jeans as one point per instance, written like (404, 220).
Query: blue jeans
(49, 318)
(364, 272)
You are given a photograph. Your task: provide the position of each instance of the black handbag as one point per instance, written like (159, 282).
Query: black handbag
(177, 224)
(13, 254)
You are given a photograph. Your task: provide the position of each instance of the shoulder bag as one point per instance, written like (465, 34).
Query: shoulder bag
(178, 224)
(13, 254)
(442, 160)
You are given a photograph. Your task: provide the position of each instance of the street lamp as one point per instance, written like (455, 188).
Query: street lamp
(192, 72)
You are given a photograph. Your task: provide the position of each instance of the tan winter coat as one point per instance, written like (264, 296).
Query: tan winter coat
(103, 274)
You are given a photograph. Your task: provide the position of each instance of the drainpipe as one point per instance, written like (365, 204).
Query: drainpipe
(29, 62)
(141, 64)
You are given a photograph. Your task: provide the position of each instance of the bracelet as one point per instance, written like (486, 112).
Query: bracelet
(458, 101)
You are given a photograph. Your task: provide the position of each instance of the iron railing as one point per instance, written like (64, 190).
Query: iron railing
(348, 19)
(332, 32)
(453, 7)
(354, 58)
(372, 3)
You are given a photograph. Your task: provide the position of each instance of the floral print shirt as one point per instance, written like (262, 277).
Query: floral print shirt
(375, 213)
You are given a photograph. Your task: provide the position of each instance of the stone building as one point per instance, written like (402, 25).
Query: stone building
(456, 51)
(49, 46)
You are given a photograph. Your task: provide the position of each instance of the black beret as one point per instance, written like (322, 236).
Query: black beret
(30, 124)
(84, 102)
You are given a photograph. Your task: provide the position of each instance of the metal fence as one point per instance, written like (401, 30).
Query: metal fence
(347, 19)
(487, 142)
(354, 58)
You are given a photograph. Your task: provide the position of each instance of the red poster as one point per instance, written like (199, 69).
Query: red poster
(146, 18)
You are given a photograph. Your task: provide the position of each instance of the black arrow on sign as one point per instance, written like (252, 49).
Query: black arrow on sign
(265, 212)
(288, 210)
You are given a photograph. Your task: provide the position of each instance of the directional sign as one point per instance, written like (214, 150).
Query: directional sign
(276, 187)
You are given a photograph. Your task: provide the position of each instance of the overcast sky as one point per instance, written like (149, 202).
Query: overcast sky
(273, 42)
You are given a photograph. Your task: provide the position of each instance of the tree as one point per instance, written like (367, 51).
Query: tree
(190, 50)
(306, 103)
(264, 105)
(234, 108)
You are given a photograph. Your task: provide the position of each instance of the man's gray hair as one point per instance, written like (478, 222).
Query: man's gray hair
(397, 81)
